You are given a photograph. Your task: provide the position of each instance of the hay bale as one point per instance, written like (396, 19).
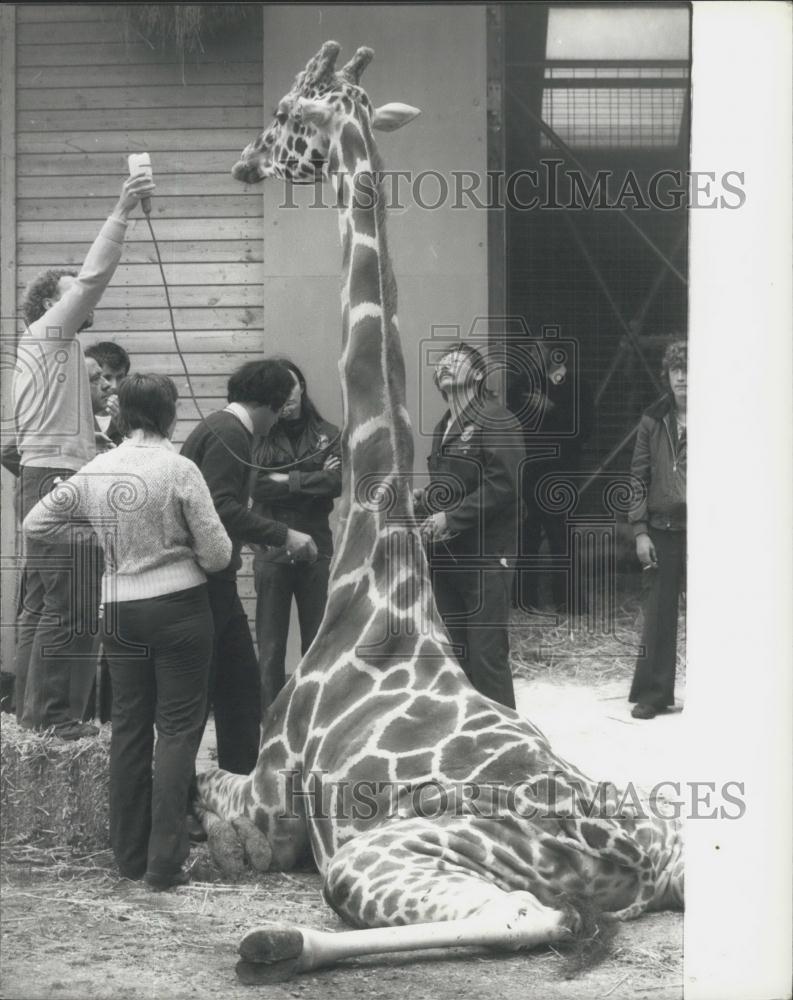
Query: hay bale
(53, 793)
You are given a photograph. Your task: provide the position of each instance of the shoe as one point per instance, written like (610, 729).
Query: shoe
(74, 730)
(643, 711)
(160, 883)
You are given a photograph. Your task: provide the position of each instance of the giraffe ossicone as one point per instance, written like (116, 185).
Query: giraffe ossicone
(433, 814)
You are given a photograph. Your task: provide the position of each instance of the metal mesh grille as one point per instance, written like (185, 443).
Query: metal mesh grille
(624, 116)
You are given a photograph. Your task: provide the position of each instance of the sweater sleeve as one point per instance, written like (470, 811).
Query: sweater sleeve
(55, 513)
(227, 479)
(210, 543)
(641, 467)
(69, 313)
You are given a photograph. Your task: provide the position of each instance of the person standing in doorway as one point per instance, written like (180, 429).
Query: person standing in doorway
(659, 527)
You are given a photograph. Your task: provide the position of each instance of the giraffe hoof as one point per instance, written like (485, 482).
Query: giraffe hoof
(254, 844)
(226, 850)
(259, 974)
(273, 944)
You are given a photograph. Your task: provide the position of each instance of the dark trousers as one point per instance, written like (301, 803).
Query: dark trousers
(654, 676)
(539, 520)
(57, 628)
(276, 584)
(159, 652)
(100, 701)
(234, 689)
(474, 605)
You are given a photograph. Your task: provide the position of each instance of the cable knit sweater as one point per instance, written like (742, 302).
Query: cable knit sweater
(152, 512)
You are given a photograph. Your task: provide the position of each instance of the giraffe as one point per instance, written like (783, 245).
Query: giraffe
(434, 815)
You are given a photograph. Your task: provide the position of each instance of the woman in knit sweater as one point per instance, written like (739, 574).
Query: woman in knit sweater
(160, 535)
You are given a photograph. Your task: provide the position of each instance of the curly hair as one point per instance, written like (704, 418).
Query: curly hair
(109, 355)
(675, 356)
(43, 286)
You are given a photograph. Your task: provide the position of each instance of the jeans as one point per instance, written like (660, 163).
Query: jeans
(474, 604)
(57, 628)
(158, 651)
(276, 584)
(654, 676)
(234, 689)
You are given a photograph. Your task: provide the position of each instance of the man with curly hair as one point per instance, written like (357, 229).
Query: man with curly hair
(115, 365)
(55, 437)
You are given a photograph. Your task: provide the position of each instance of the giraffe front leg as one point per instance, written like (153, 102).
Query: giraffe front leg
(234, 840)
(509, 921)
(403, 900)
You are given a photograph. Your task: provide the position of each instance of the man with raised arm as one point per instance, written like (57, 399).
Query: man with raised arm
(55, 437)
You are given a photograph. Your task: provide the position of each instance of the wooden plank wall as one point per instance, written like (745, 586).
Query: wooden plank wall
(90, 91)
(9, 573)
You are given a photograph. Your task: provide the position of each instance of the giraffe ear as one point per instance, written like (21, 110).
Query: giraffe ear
(390, 117)
(314, 112)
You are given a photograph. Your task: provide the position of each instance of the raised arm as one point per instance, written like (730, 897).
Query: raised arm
(68, 314)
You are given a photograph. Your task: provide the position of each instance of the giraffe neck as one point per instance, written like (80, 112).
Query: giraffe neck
(377, 443)
(379, 585)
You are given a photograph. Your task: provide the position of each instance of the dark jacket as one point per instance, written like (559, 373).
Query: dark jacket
(221, 448)
(659, 463)
(480, 460)
(305, 501)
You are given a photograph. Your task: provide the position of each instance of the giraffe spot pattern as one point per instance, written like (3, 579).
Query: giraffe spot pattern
(452, 865)
(594, 835)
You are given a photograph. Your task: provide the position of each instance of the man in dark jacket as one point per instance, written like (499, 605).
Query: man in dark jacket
(554, 404)
(221, 447)
(659, 526)
(477, 449)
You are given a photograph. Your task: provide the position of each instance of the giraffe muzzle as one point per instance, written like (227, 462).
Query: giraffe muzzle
(246, 172)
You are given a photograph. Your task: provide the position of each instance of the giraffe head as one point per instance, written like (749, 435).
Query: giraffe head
(297, 143)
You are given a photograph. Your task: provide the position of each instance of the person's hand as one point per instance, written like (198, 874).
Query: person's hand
(300, 547)
(132, 190)
(111, 406)
(331, 463)
(435, 528)
(645, 551)
(278, 477)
